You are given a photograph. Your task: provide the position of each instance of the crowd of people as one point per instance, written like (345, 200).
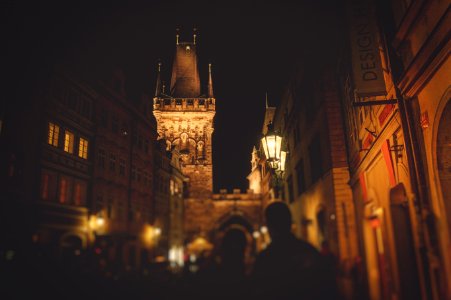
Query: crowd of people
(288, 268)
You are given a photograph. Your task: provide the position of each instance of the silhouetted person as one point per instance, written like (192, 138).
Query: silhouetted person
(289, 268)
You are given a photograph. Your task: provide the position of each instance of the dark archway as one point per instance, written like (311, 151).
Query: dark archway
(235, 220)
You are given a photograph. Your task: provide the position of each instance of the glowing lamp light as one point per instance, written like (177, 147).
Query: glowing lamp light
(264, 229)
(100, 221)
(272, 145)
(283, 159)
(256, 234)
(157, 231)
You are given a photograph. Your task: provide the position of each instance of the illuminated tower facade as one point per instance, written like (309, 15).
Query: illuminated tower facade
(185, 118)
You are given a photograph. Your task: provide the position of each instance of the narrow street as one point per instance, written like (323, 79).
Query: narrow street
(226, 150)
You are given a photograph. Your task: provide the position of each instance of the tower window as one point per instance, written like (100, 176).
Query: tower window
(69, 142)
(53, 133)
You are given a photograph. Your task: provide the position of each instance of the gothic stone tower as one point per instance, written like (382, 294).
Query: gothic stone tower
(185, 118)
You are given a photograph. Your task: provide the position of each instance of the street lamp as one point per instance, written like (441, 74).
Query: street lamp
(275, 156)
(272, 145)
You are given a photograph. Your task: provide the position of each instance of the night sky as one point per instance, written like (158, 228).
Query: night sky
(253, 46)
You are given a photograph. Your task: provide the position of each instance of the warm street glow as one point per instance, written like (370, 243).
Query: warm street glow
(256, 234)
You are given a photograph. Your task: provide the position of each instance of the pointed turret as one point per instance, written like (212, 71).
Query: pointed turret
(159, 84)
(269, 115)
(185, 81)
(194, 35)
(210, 83)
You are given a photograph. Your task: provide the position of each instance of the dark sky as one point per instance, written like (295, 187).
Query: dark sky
(252, 45)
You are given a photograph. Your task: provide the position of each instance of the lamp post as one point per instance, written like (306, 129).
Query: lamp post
(275, 156)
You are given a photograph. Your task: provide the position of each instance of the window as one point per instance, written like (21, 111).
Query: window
(101, 158)
(133, 173)
(103, 118)
(172, 188)
(139, 175)
(48, 185)
(112, 163)
(53, 134)
(300, 176)
(45, 186)
(69, 142)
(80, 188)
(316, 159)
(63, 190)
(83, 148)
(146, 178)
(122, 167)
(115, 124)
(77, 193)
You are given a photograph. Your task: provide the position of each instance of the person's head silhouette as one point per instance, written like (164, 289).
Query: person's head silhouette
(278, 219)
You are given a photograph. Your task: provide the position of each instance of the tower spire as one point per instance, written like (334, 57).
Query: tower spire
(210, 82)
(177, 36)
(266, 93)
(194, 35)
(158, 85)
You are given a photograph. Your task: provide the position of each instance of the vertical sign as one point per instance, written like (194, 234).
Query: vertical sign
(366, 59)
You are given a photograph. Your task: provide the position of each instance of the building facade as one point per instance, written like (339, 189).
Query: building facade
(400, 218)
(421, 37)
(122, 193)
(169, 206)
(48, 169)
(316, 173)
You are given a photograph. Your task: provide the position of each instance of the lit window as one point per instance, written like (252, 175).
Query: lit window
(53, 133)
(83, 148)
(63, 190)
(172, 188)
(69, 142)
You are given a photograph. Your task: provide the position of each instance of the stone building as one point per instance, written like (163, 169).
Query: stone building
(184, 118)
(168, 206)
(47, 169)
(122, 192)
(420, 34)
(315, 180)
(390, 103)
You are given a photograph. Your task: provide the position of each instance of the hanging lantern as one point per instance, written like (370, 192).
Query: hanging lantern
(272, 145)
